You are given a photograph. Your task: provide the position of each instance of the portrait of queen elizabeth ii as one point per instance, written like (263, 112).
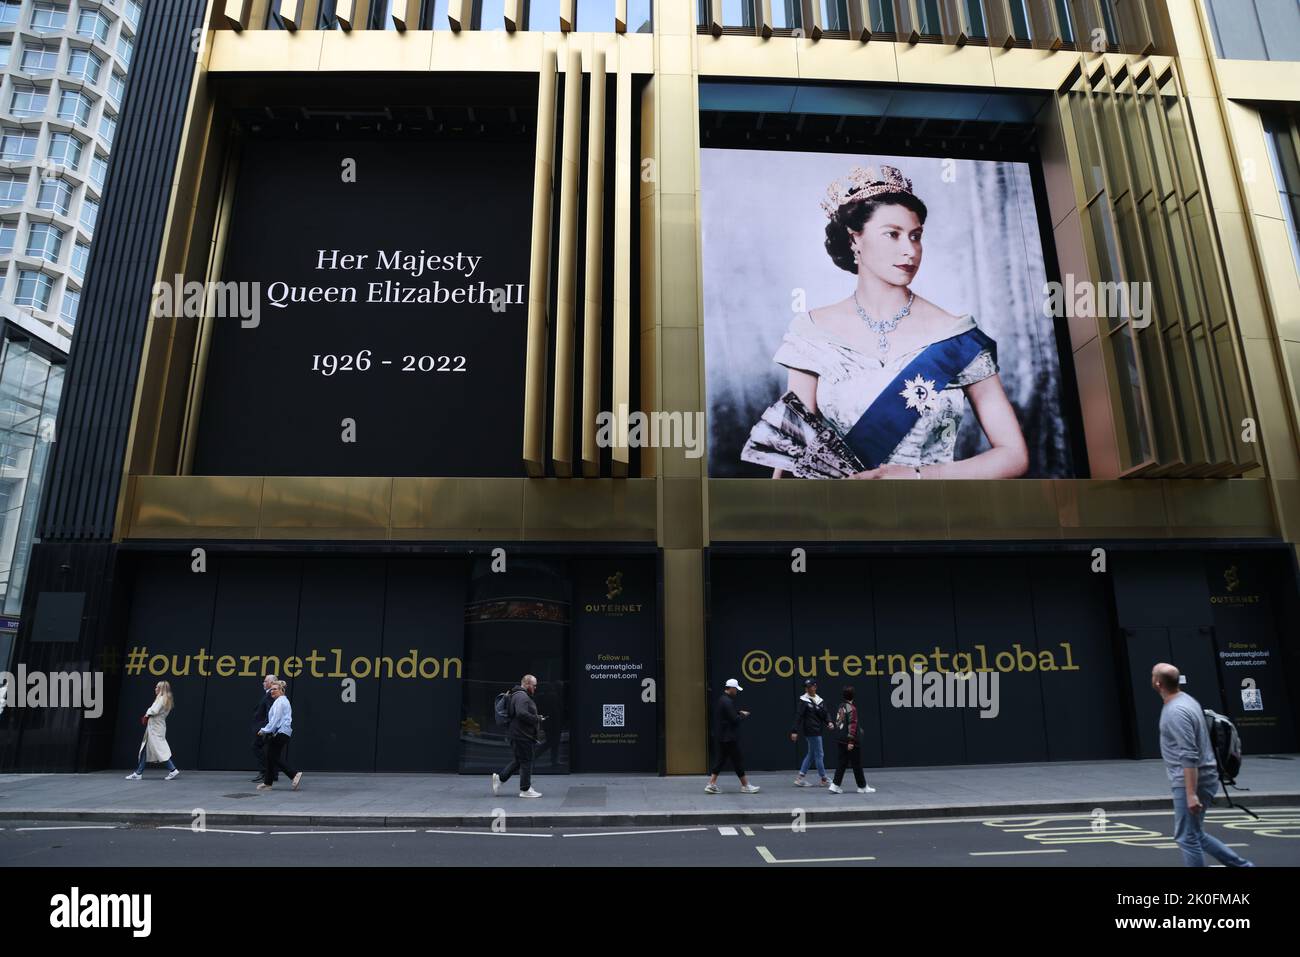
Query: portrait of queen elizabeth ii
(874, 380)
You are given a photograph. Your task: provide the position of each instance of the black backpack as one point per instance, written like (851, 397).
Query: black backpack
(1226, 743)
(502, 709)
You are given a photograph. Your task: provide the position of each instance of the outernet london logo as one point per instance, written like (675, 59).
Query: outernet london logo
(77, 910)
(614, 586)
(1231, 581)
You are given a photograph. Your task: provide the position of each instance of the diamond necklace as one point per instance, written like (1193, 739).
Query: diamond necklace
(882, 327)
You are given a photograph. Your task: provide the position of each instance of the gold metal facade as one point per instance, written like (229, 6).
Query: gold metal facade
(1191, 422)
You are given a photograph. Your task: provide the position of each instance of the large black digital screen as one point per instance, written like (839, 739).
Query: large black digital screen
(391, 293)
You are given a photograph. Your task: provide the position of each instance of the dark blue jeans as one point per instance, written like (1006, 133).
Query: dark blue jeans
(1189, 829)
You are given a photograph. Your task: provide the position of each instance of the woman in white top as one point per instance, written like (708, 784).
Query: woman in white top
(154, 747)
(878, 382)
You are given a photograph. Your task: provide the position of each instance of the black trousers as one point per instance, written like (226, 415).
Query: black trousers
(523, 763)
(276, 759)
(847, 758)
(259, 753)
(729, 749)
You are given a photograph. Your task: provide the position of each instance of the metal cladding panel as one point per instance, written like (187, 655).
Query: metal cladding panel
(95, 417)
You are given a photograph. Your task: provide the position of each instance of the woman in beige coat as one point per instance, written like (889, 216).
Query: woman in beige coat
(154, 747)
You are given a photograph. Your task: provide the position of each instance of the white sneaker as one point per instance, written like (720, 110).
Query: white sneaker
(836, 789)
(530, 793)
(867, 790)
(800, 782)
(133, 776)
(496, 783)
(712, 789)
(297, 779)
(749, 789)
(173, 774)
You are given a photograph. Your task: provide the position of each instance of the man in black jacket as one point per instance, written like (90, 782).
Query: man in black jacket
(810, 720)
(524, 722)
(259, 722)
(726, 734)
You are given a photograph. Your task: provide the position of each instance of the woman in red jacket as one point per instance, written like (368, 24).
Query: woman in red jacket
(848, 732)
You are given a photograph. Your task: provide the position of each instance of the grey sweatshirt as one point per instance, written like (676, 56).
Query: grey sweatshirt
(1185, 740)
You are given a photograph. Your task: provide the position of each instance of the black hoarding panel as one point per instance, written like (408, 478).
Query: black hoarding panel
(615, 727)
(1146, 647)
(750, 640)
(256, 623)
(376, 346)
(914, 613)
(994, 610)
(834, 633)
(168, 640)
(1082, 707)
(340, 627)
(424, 633)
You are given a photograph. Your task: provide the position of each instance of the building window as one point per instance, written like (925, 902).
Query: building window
(6, 49)
(98, 171)
(1020, 20)
(55, 194)
(92, 23)
(1255, 29)
(89, 214)
(116, 88)
(71, 303)
(84, 65)
(108, 128)
(44, 241)
(65, 150)
(34, 290)
(8, 236)
(13, 190)
(125, 48)
(1282, 135)
(131, 10)
(40, 58)
(75, 106)
(49, 16)
(18, 144)
(80, 257)
(10, 11)
(29, 101)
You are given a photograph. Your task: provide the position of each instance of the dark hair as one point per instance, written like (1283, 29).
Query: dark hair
(852, 217)
(847, 693)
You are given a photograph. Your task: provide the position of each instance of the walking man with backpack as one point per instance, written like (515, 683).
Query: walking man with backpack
(848, 734)
(1192, 768)
(524, 722)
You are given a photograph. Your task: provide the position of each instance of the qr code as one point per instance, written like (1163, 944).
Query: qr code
(613, 715)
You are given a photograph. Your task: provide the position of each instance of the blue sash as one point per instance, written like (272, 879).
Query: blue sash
(888, 420)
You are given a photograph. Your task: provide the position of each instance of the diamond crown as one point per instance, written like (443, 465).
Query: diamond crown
(864, 182)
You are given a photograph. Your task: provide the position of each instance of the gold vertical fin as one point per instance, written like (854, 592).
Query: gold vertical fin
(567, 276)
(623, 166)
(592, 317)
(539, 272)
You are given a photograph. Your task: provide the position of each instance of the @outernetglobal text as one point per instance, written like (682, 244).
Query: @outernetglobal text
(60, 689)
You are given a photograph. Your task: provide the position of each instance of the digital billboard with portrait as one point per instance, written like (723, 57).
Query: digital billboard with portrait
(878, 317)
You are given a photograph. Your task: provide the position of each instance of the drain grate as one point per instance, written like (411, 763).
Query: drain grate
(585, 796)
(241, 794)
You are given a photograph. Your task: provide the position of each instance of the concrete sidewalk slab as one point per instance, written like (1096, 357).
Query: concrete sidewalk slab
(450, 800)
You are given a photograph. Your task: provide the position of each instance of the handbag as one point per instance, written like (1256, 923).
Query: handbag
(804, 443)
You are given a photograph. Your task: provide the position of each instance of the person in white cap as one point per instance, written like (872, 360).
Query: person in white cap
(726, 735)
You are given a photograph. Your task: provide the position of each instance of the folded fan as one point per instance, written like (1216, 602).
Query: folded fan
(804, 443)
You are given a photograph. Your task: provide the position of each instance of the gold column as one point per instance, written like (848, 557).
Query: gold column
(624, 166)
(812, 19)
(672, 360)
(459, 14)
(345, 12)
(620, 16)
(539, 273)
(594, 273)
(512, 15)
(406, 14)
(859, 21)
(567, 278)
(568, 15)
(291, 13)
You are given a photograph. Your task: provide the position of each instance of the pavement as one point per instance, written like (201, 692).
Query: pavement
(583, 800)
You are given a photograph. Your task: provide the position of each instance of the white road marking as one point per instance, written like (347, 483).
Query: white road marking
(1022, 818)
(1050, 850)
(747, 832)
(487, 833)
(727, 831)
(203, 830)
(666, 830)
(767, 856)
(72, 827)
(375, 831)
